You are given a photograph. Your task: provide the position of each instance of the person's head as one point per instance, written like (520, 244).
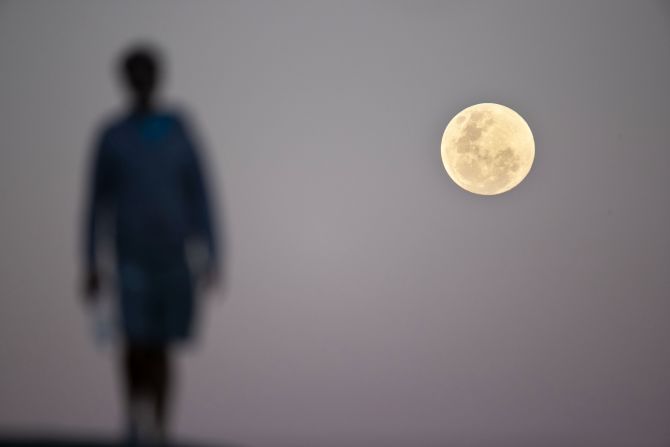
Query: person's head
(140, 69)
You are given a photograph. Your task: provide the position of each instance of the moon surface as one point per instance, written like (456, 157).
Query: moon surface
(487, 149)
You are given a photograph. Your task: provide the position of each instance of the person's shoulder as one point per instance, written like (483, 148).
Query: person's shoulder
(176, 115)
(111, 126)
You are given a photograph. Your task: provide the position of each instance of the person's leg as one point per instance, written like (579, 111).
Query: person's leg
(135, 387)
(161, 381)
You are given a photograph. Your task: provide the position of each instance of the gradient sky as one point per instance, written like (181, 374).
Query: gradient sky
(369, 300)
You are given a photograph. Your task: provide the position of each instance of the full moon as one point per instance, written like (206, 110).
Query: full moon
(487, 149)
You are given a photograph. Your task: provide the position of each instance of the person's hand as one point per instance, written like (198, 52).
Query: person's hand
(209, 278)
(91, 287)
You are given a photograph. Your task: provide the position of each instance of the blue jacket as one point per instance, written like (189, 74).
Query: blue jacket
(148, 195)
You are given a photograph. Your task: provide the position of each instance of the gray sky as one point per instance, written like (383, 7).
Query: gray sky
(370, 301)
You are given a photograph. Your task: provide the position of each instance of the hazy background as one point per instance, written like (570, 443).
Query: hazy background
(369, 300)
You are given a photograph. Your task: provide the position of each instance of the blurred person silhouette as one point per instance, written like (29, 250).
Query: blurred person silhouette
(148, 196)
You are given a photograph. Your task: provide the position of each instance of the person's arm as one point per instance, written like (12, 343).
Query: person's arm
(202, 218)
(98, 206)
